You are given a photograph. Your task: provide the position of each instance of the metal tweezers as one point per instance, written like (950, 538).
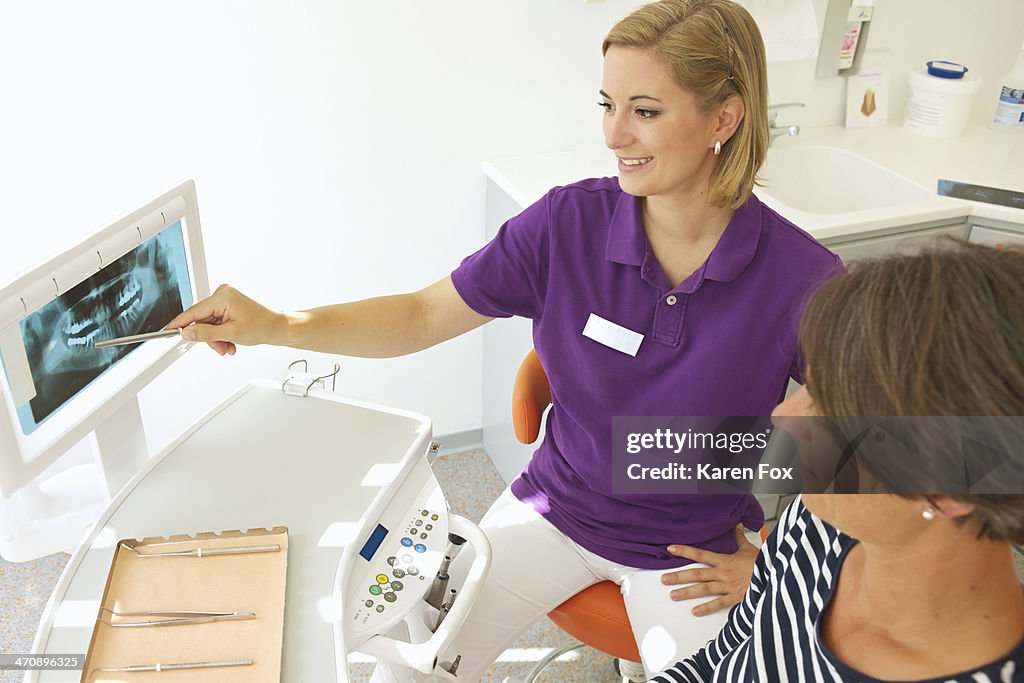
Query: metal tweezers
(172, 667)
(201, 552)
(173, 617)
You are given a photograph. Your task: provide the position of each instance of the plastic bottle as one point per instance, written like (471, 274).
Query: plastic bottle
(1009, 114)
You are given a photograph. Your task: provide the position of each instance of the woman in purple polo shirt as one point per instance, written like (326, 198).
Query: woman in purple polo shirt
(670, 290)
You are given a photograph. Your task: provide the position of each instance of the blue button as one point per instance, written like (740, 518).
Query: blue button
(420, 548)
(407, 542)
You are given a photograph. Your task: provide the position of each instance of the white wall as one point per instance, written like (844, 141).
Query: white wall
(336, 145)
(985, 35)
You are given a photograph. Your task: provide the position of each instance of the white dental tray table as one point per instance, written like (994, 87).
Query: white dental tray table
(261, 459)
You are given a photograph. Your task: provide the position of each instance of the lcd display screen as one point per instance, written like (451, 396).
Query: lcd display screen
(372, 543)
(139, 292)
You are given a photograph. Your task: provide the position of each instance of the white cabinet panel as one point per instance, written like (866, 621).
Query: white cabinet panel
(993, 237)
(904, 242)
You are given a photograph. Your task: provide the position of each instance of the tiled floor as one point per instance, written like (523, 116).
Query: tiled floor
(470, 482)
(24, 589)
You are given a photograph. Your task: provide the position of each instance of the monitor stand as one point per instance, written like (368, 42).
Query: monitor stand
(119, 446)
(53, 513)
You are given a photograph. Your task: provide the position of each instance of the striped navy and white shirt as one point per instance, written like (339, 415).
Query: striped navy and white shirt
(773, 634)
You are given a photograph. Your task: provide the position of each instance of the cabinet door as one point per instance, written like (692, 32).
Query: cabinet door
(908, 242)
(994, 237)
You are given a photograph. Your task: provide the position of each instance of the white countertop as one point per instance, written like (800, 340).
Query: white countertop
(979, 156)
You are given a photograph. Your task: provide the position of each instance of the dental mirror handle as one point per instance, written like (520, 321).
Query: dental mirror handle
(137, 338)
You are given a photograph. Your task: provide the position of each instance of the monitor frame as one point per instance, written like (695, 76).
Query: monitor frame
(114, 409)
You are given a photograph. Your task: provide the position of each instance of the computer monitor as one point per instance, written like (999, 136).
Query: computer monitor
(137, 293)
(56, 388)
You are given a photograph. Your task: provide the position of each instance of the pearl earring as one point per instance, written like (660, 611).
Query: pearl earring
(718, 147)
(928, 514)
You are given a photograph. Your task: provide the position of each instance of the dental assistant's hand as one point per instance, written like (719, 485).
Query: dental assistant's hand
(726, 576)
(228, 318)
(381, 327)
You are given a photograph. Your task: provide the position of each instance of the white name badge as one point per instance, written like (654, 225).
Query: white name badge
(613, 336)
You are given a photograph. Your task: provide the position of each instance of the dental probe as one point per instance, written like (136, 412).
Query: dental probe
(137, 338)
(174, 667)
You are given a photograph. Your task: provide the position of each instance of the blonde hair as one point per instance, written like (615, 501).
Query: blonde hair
(714, 50)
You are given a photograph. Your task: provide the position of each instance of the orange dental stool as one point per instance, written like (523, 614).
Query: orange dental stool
(595, 616)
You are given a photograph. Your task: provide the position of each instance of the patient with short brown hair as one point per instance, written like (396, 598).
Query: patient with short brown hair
(889, 587)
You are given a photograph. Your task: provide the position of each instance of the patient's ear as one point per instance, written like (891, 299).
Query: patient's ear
(952, 508)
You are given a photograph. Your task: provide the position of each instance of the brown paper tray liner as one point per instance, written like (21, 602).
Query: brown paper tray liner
(252, 582)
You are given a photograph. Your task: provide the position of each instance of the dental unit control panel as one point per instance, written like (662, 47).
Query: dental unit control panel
(392, 580)
(408, 560)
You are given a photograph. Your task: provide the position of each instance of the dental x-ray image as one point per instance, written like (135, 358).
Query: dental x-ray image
(140, 292)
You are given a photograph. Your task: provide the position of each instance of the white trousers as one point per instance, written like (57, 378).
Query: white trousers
(536, 567)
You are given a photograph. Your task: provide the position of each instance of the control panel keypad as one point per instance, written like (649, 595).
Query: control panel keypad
(403, 566)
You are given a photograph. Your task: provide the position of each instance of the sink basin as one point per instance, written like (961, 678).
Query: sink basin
(831, 180)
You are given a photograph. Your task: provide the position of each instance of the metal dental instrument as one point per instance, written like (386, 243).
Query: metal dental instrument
(439, 588)
(173, 617)
(207, 552)
(445, 608)
(173, 667)
(137, 338)
(454, 666)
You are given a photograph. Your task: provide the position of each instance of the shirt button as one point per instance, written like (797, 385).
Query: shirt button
(671, 300)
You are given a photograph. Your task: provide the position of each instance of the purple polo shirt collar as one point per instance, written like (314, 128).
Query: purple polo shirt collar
(628, 245)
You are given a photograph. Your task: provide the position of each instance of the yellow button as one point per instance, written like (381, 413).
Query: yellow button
(382, 578)
(433, 517)
(671, 300)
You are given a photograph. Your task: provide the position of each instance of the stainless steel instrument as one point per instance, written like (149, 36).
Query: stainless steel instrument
(137, 338)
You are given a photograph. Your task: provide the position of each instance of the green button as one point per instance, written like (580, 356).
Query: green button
(375, 590)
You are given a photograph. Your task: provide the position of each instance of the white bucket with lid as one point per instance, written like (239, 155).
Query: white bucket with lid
(939, 99)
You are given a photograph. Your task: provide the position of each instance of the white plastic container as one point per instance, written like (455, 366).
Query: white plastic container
(939, 99)
(1009, 114)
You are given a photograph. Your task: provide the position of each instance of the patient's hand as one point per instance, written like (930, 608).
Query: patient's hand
(726, 576)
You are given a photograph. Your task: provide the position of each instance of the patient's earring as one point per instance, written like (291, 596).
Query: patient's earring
(928, 514)
(718, 147)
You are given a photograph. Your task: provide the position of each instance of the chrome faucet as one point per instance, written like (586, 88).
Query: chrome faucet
(775, 131)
